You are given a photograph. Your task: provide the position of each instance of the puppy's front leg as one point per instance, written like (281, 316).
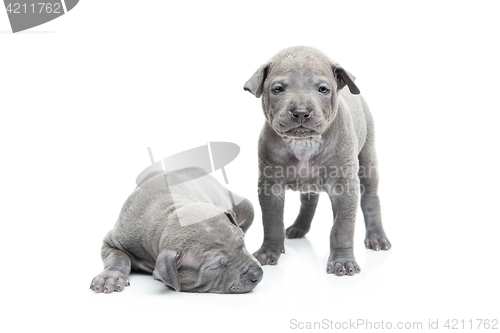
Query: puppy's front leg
(114, 277)
(344, 195)
(272, 201)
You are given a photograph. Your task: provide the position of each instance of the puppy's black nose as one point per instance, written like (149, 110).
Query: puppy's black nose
(301, 115)
(255, 274)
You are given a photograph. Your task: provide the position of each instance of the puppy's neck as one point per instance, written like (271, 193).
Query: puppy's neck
(304, 149)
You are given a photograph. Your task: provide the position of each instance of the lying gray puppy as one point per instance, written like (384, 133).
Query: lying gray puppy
(190, 244)
(319, 137)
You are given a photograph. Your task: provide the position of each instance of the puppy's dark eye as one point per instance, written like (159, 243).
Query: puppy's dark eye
(323, 90)
(277, 90)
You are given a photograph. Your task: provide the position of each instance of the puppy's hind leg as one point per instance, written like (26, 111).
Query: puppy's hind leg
(370, 204)
(117, 267)
(302, 223)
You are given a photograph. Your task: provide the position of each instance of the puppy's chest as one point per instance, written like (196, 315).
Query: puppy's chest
(306, 176)
(306, 172)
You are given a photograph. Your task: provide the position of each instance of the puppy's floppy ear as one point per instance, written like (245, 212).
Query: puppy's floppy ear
(255, 84)
(232, 217)
(167, 268)
(344, 78)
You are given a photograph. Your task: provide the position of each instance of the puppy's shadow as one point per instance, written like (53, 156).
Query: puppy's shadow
(304, 263)
(375, 261)
(303, 248)
(146, 282)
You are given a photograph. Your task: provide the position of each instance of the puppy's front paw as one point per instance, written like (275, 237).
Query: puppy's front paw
(342, 262)
(268, 255)
(109, 281)
(377, 241)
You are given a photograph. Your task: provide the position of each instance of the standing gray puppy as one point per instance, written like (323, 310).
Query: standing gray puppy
(176, 226)
(318, 137)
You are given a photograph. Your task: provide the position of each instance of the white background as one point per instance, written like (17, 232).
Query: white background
(82, 97)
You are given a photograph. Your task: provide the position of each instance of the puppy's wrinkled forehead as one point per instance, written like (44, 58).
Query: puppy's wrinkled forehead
(301, 66)
(220, 232)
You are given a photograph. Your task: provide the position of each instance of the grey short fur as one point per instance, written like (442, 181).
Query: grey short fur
(197, 256)
(318, 137)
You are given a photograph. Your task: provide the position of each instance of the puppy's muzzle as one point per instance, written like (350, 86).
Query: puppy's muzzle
(254, 275)
(249, 280)
(301, 116)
